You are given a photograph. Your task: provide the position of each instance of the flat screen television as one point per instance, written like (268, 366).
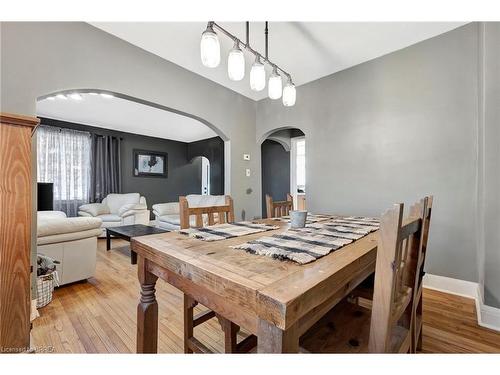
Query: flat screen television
(45, 196)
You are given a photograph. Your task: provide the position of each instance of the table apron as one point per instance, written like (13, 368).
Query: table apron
(233, 312)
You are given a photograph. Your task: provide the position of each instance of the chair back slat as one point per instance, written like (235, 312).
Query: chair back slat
(221, 215)
(211, 219)
(419, 274)
(398, 246)
(225, 213)
(279, 208)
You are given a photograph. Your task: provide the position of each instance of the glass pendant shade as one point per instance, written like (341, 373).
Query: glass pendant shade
(289, 94)
(257, 76)
(210, 48)
(236, 63)
(275, 85)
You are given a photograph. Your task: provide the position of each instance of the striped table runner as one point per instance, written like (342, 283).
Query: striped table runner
(224, 231)
(316, 240)
(311, 218)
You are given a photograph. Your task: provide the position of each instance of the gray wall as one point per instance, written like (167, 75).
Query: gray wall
(275, 172)
(183, 176)
(392, 130)
(489, 266)
(42, 58)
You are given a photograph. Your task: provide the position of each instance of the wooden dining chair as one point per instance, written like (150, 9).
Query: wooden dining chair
(417, 320)
(387, 327)
(225, 214)
(279, 208)
(365, 289)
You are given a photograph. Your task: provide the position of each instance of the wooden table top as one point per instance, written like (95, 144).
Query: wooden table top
(280, 292)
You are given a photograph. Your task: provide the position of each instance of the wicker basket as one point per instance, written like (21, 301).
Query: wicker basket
(45, 286)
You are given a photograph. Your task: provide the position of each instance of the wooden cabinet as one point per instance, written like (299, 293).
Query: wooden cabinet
(15, 230)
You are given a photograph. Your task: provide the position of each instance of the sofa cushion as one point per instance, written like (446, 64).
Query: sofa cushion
(116, 201)
(110, 217)
(196, 200)
(175, 220)
(94, 209)
(171, 208)
(65, 237)
(56, 226)
(43, 215)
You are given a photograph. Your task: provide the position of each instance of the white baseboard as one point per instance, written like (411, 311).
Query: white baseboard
(487, 316)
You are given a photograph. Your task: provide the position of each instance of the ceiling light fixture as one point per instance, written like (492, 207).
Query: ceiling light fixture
(75, 96)
(289, 94)
(275, 86)
(210, 48)
(210, 57)
(61, 96)
(257, 75)
(236, 63)
(107, 96)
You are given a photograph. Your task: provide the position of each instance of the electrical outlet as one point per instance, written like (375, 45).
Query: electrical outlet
(246, 156)
(247, 171)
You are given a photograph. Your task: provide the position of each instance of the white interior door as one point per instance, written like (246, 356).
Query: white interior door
(205, 176)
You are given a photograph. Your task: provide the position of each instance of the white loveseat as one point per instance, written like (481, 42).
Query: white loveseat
(118, 209)
(168, 216)
(70, 241)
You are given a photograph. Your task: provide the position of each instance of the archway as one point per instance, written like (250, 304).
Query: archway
(183, 177)
(282, 166)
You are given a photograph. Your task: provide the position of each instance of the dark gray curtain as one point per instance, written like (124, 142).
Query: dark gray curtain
(106, 167)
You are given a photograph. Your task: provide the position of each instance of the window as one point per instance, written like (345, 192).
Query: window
(63, 158)
(301, 165)
(298, 171)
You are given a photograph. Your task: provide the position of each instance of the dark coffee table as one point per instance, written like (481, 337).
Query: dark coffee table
(127, 232)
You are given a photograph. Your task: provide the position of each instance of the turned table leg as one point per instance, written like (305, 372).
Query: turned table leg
(271, 339)
(230, 330)
(147, 311)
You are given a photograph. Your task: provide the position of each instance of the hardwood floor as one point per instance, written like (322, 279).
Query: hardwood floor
(98, 316)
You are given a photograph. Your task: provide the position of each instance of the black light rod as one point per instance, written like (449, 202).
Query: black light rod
(248, 48)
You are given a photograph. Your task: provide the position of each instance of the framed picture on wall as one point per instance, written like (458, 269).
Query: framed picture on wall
(150, 164)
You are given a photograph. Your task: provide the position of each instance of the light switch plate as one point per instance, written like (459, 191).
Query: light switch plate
(246, 156)
(247, 171)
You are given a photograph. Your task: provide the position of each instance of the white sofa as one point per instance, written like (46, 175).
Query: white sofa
(167, 214)
(118, 209)
(70, 241)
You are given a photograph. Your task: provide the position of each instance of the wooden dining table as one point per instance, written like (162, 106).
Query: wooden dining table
(275, 300)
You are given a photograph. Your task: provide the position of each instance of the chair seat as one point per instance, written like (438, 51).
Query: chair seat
(110, 217)
(346, 329)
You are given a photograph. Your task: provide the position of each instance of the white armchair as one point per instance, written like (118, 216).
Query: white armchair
(118, 209)
(168, 214)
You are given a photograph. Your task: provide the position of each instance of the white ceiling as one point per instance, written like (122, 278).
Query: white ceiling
(307, 50)
(125, 115)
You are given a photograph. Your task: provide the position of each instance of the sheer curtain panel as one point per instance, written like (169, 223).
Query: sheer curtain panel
(63, 158)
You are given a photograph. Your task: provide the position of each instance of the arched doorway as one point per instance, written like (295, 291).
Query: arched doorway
(283, 166)
(174, 140)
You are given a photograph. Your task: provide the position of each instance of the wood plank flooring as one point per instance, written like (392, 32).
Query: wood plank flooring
(99, 316)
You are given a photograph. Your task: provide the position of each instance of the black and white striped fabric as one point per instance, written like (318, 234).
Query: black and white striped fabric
(316, 240)
(225, 231)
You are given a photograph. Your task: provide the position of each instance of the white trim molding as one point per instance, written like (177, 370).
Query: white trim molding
(487, 316)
